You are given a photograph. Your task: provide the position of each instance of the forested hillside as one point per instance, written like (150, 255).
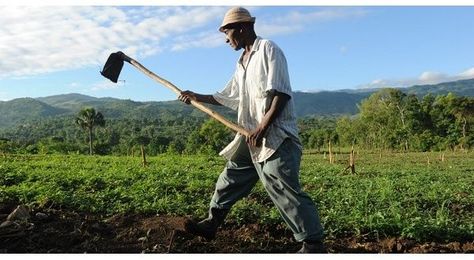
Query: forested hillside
(460, 87)
(386, 119)
(19, 111)
(325, 103)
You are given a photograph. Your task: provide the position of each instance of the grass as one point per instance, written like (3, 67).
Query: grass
(396, 194)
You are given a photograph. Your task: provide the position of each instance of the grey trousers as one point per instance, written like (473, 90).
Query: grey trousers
(280, 178)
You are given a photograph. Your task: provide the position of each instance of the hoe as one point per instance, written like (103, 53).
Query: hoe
(113, 67)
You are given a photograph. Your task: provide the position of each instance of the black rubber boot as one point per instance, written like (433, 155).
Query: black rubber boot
(312, 247)
(207, 228)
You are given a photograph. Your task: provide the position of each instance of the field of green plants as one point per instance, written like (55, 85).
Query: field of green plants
(422, 196)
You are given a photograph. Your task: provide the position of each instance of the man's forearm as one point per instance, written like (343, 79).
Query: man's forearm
(209, 99)
(278, 103)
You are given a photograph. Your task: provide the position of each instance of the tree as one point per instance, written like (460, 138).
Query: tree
(87, 119)
(391, 119)
(6, 146)
(444, 121)
(316, 132)
(215, 136)
(210, 138)
(346, 129)
(463, 110)
(376, 119)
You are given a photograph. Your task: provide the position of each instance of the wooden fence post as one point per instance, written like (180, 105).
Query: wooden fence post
(352, 160)
(331, 159)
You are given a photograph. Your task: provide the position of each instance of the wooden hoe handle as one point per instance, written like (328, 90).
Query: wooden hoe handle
(196, 104)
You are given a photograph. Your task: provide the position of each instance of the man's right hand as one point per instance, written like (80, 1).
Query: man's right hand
(186, 96)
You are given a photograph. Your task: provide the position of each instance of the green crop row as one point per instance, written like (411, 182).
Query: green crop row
(413, 195)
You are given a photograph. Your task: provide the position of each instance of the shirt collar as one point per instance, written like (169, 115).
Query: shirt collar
(256, 44)
(255, 47)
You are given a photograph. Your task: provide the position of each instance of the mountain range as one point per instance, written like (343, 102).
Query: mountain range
(323, 103)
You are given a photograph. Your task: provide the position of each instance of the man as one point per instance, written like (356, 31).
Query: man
(260, 91)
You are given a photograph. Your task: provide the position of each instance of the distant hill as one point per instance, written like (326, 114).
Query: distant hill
(24, 109)
(460, 87)
(71, 101)
(327, 103)
(117, 108)
(324, 103)
(340, 102)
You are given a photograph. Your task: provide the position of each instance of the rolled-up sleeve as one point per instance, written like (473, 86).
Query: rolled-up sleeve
(278, 77)
(229, 96)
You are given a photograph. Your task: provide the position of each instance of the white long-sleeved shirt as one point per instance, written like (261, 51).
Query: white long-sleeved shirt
(249, 93)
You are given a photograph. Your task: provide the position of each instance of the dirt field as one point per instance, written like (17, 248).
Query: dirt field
(60, 231)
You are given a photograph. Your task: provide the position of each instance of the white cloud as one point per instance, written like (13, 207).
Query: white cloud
(380, 83)
(296, 21)
(35, 40)
(106, 85)
(425, 78)
(267, 26)
(42, 39)
(208, 39)
(468, 74)
(4, 96)
(74, 85)
(430, 77)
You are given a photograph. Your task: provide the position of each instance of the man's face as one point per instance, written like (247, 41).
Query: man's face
(233, 37)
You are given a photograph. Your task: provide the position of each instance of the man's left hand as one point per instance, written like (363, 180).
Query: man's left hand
(256, 137)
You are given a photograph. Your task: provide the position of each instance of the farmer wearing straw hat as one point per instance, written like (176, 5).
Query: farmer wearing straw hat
(260, 91)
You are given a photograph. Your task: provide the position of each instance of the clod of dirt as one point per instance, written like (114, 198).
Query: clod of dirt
(468, 247)
(41, 216)
(20, 213)
(6, 224)
(389, 245)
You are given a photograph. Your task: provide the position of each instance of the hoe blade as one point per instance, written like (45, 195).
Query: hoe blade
(113, 67)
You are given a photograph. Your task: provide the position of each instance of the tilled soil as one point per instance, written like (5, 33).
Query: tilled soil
(62, 231)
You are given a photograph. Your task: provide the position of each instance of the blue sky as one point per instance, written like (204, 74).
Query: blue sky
(50, 50)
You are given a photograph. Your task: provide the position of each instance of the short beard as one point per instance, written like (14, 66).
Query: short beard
(239, 46)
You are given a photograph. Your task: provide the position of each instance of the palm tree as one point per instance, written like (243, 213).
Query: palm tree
(87, 119)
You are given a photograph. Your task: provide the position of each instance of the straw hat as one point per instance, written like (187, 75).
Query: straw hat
(236, 15)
